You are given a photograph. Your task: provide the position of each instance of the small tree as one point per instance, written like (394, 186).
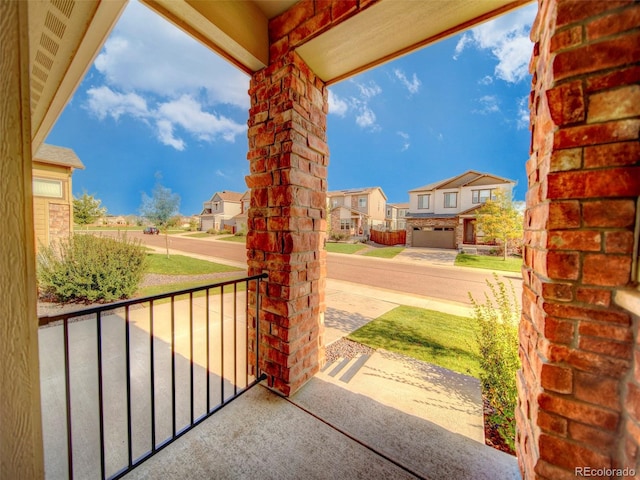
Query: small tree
(160, 209)
(87, 209)
(499, 220)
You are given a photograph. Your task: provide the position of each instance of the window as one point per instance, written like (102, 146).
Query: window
(335, 202)
(47, 188)
(481, 196)
(388, 212)
(423, 201)
(451, 200)
(346, 224)
(362, 202)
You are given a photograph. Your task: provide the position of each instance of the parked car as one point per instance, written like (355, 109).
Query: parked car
(151, 231)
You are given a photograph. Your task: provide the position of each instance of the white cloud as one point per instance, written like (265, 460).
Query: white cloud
(337, 105)
(220, 173)
(507, 37)
(412, 85)
(166, 136)
(184, 112)
(461, 45)
(369, 90)
(489, 104)
(522, 121)
(155, 73)
(147, 54)
(105, 102)
(188, 114)
(366, 118)
(405, 140)
(486, 80)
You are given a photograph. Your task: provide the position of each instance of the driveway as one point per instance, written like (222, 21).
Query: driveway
(427, 256)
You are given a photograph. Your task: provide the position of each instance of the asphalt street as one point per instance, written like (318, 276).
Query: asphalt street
(435, 281)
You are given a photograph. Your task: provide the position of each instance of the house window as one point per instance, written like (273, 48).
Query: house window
(388, 212)
(481, 196)
(362, 202)
(423, 201)
(335, 202)
(451, 200)
(346, 224)
(216, 206)
(47, 188)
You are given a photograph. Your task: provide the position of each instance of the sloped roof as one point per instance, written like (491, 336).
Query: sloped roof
(353, 211)
(228, 196)
(355, 191)
(468, 178)
(398, 205)
(54, 155)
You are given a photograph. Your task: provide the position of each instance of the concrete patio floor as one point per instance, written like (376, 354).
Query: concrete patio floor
(378, 417)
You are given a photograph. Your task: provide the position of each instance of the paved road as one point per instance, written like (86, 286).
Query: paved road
(439, 282)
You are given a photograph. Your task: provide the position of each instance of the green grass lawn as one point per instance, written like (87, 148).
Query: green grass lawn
(198, 235)
(235, 238)
(434, 337)
(182, 265)
(344, 247)
(512, 264)
(174, 287)
(384, 252)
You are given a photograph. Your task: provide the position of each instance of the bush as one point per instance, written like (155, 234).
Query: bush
(87, 268)
(212, 231)
(498, 347)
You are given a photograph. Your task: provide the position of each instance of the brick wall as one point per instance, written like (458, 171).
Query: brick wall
(59, 222)
(578, 387)
(288, 157)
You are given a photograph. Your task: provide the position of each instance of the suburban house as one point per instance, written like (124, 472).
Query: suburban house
(356, 211)
(441, 214)
(395, 218)
(579, 382)
(218, 212)
(241, 218)
(52, 195)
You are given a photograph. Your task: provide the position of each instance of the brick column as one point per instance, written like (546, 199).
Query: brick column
(578, 401)
(288, 157)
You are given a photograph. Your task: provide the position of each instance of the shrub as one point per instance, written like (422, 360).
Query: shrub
(88, 268)
(497, 338)
(211, 231)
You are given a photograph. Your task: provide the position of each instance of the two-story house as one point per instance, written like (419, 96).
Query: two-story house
(241, 218)
(356, 211)
(218, 212)
(442, 214)
(395, 218)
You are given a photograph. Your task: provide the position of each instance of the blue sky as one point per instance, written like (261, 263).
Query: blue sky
(155, 101)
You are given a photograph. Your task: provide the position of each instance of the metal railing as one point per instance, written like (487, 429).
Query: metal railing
(121, 381)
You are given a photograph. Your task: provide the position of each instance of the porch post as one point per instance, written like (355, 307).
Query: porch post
(21, 453)
(579, 386)
(288, 157)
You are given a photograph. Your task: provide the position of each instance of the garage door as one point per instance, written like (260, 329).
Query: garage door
(434, 238)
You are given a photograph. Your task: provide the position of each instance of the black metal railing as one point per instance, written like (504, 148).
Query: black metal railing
(121, 381)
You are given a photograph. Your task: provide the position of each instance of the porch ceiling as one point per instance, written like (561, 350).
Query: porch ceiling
(66, 35)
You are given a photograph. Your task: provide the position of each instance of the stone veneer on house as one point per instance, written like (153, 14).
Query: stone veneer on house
(579, 387)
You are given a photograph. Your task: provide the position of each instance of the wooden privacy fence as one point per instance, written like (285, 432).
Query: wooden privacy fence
(396, 237)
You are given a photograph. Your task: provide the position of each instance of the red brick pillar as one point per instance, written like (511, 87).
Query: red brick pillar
(288, 157)
(578, 398)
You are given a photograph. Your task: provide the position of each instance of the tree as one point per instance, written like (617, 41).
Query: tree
(87, 209)
(499, 220)
(160, 209)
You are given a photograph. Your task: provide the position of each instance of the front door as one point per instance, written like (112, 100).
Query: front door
(470, 231)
